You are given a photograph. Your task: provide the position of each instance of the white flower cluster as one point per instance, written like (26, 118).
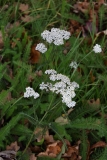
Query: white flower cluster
(30, 93)
(97, 48)
(62, 86)
(41, 47)
(73, 65)
(56, 36)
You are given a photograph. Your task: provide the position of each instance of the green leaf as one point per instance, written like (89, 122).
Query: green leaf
(5, 131)
(60, 131)
(89, 123)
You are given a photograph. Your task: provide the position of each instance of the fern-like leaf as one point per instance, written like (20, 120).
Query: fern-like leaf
(5, 131)
(90, 123)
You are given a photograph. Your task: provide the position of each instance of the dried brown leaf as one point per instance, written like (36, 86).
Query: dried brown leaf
(32, 157)
(99, 144)
(43, 154)
(53, 149)
(13, 146)
(48, 138)
(23, 7)
(35, 55)
(93, 102)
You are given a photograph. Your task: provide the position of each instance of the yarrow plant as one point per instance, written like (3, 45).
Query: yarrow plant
(62, 86)
(97, 48)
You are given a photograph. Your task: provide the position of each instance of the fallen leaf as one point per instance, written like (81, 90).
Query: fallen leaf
(32, 157)
(13, 146)
(48, 138)
(93, 102)
(35, 55)
(101, 1)
(99, 144)
(53, 149)
(23, 7)
(8, 154)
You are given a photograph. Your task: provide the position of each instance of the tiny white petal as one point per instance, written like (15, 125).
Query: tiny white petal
(74, 65)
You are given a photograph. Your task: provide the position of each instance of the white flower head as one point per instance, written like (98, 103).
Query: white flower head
(30, 93)
(62, 85)
(97, 48)
(41, 47)
(73, 65)
(56, 35)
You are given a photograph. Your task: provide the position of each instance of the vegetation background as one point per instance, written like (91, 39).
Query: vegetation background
(45, 128)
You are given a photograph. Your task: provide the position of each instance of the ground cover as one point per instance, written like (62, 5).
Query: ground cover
(53, 81)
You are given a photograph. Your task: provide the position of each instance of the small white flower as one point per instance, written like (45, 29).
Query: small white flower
(41, 47)
(36, 95)
(65, 34)
(45, 34)
(97, 48)
(53, 77)
(72, 104)
(30, 93)
(58, 42)
(75, 85)
(50, 71)
(73, 65)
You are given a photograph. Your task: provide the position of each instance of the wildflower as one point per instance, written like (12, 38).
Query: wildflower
(41, 47)
(56, 35)
(30, 93)
(97, 48)
(61, 85)
(73, 65)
